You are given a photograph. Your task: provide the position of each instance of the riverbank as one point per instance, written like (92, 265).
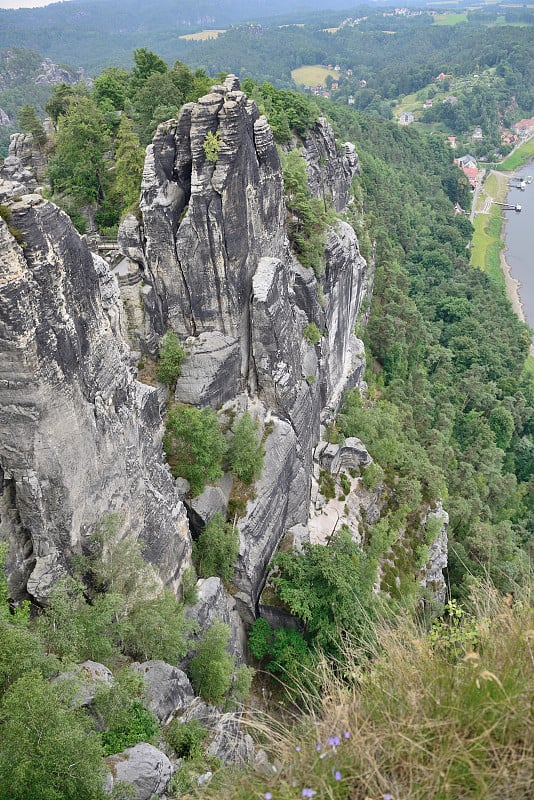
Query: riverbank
(488, 246)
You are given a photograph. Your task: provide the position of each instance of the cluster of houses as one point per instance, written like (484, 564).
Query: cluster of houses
(468, 165)
(524, 128)
(322, 91)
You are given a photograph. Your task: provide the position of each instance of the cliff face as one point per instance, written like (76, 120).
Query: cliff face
(212, 248)
(79, 436)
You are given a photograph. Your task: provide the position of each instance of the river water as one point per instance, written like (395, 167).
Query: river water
(519, 239)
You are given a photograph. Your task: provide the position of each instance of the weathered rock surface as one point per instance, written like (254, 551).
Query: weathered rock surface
(89, 677)
(214, 254)
(144, 767)
(167, 689)
(433, 577)
(352, 454)
(330, 171)
(227, 741)
(79, 436)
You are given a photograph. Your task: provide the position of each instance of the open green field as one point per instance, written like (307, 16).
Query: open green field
(201, 36)
(487, 244)
(312, 75)
(518, 158)
(449, 19)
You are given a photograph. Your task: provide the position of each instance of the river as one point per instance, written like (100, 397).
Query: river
(519, 239)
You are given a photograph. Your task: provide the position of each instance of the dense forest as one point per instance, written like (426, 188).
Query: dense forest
(448, 417)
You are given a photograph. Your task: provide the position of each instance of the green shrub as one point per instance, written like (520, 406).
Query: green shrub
(312, 333)
(194, 445)
(211, 669)
(283, 651)
(216, 549)
(171, 356)
(241, 684)
(211, 146)
(187, 738)
(189, 587)
(121, 714)
(245, 451)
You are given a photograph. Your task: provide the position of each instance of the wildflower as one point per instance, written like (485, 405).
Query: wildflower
(388, 796)
(307, 793)
(333, 741)
(268, 796)
(337, 775)
(297, 748)
(346, 735)
(318, 746)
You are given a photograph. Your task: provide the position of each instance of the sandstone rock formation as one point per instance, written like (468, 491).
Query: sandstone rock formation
(214, 254)
(79, 436)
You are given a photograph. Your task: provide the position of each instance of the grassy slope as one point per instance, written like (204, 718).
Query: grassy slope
(312, 75)
(487, 243)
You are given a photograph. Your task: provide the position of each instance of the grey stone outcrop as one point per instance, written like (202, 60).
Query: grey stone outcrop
(330, 171)
(433, 577)
(215, 604)
(88, 678)
(79, 436)
(217, 264)
(167, 689)
(144, 767)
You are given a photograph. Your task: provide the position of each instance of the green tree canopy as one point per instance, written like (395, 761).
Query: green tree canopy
(78, 168)
(194, 444)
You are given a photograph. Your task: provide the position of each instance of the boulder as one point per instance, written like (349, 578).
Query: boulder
(167, 689)
(144, 767)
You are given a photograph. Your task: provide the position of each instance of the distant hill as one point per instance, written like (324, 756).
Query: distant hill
(97, 33)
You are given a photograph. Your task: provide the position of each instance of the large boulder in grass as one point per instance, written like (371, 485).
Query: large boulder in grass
(167, 689)
(144, 767)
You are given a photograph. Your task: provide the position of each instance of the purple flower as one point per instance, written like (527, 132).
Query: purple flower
(297, 748)
(388, 796)
(347, 734)
(268, 796)
(318, 747)
(307, 793)
(333, 741)
(337, 775)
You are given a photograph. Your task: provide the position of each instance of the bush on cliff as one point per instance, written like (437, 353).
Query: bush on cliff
(245, 451)
(171, 356)
(194, 445)
(216, 549)
(211, 669)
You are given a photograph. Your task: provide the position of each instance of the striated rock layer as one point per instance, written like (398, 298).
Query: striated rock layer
(213, 251)
(79, 436)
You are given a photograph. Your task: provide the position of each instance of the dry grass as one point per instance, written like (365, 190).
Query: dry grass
(423, 721)
(312, 75)
(202, 36)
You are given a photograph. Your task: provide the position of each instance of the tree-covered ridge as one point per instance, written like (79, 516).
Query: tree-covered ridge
(449, 354)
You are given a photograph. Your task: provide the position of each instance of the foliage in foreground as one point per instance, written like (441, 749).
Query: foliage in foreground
(445, 716)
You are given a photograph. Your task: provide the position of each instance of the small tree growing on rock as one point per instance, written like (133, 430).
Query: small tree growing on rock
(245, 451)
(217, 549)
(212, 668)
(194, 445)
(171, 356)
